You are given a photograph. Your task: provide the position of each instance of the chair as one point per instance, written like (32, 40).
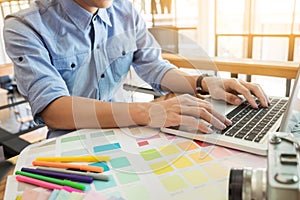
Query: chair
(7, 7)
(6, 82)
(24, 117)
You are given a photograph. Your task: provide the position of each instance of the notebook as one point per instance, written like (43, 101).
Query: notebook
(249, 131)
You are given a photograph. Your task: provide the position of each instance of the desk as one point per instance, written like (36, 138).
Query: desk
(282, 69)
(145, 164)
(6, 69)
(4, 114)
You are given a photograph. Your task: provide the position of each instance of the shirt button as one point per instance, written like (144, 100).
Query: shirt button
(123, 53)
(73, 65)
(98, 46)
(102, 75)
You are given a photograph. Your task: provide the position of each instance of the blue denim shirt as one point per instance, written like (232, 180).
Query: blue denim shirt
(60, 49)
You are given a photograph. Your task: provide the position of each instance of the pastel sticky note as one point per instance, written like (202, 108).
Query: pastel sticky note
(187, 146)
(219, 152)
(195, 177)
(150, 154)
(73, 138)
(93, 195)
(62, 195)
(53, 194)
(138, 192)
(119, 162)
(169, 150)
(200, 157)
(76, 196)
(216, 171)
(173, 183)
(182, 162)
(36, 194)
(102, 185)
(143, 143)
(101, 134)
(127, 177)
(206, 192)
(161, 167)
(106, 147)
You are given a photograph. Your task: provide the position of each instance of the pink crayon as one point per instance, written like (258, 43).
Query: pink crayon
(45, 184)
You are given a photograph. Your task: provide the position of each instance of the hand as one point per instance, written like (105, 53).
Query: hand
(186, 110)
(229, 89)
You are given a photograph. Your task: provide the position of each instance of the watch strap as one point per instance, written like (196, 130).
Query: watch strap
(199, 88)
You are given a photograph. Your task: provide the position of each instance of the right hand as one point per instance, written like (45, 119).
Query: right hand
(186, 110)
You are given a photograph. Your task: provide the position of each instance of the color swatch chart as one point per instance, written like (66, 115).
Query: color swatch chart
(145, 164)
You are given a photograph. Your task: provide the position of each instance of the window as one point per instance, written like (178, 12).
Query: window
(258, 29)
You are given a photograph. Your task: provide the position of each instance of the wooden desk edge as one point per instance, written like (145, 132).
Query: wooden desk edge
(6, 69)
(237, 66)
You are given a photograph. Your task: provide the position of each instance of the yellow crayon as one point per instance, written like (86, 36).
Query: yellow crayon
(75, 159)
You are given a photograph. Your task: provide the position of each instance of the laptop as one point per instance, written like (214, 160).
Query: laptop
(249, 131)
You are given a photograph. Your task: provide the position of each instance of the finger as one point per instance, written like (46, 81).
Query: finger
(189, 100)
(233, 99)
(241, 89)
(195, 124)
(214, 118)
(257, 91)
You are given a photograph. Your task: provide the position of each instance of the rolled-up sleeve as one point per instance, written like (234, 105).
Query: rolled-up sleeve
(38, 81)
(148, 62)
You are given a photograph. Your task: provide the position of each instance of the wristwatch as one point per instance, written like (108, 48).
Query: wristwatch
(199, 88)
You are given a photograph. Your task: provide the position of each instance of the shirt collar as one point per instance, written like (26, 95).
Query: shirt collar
(102, 13)
(82, 17)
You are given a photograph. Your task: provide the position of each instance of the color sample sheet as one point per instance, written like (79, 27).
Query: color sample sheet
(145, 164)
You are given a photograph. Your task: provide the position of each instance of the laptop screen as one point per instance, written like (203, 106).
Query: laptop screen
(291, 117)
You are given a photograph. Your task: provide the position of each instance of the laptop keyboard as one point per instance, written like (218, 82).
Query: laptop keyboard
(253, 124)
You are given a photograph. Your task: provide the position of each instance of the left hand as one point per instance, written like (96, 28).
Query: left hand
(229, 89)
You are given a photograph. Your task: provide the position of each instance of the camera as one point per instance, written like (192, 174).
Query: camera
(279, 181)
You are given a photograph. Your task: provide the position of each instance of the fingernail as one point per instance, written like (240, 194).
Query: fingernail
(223, 126)
(228, 122)
(237, 101)
(209, 130)
(253, 103)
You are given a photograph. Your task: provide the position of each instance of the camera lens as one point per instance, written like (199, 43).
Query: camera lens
(247, 184)
(236, 184)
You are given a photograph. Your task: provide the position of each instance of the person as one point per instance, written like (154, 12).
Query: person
(153, 7)
(71, 56)
(166, 4)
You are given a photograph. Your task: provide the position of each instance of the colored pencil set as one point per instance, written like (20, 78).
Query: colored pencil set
(55, 174)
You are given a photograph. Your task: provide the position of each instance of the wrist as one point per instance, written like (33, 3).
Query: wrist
(139, 113)
(201, 87)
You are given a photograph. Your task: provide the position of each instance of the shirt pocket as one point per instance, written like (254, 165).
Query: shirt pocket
(120, 55)
(68, 67)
